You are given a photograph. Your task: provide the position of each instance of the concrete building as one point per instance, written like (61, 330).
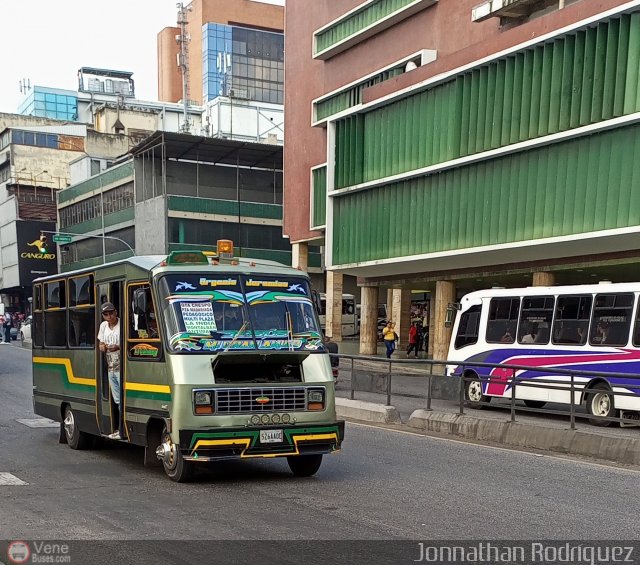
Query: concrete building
(34, 165)
(176, 191)
(450, 146)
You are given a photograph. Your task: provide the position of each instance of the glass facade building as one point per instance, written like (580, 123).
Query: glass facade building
(242, 63)
(50, 103)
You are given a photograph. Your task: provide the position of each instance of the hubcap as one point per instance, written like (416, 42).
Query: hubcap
(601, 404)
(170, 459)
(69, 424)
(475, 391)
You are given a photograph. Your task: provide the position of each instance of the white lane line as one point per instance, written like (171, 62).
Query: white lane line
(9, 479)
(38, 422)
(565, 458)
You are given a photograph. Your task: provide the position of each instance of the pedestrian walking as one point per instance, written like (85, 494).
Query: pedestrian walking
(390, 337)
(414, 342)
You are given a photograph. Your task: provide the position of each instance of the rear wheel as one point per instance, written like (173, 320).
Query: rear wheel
(175, 466)
(304, 465)
(473, 392)
(600, 404)
(75, 438)
(534, 403)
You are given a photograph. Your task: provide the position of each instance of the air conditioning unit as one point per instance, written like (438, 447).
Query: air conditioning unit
(508, 8)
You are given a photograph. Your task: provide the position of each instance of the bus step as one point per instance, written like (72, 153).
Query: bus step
(629, 419)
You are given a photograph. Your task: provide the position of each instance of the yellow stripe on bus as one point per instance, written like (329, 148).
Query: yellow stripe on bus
(67, 365)
(163, 389)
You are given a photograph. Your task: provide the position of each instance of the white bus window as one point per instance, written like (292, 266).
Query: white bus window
(535, 319)
(636, 331)
(468, 329)
(571, 322)
(611, 319)
(503, 320)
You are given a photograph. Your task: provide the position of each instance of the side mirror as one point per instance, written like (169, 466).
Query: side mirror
(315, 297)
(450, 315)
(140, 301)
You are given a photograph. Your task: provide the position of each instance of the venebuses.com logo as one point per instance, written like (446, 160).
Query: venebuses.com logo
(19, 551)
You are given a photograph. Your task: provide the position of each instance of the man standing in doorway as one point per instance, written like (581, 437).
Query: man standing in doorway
(109, 344)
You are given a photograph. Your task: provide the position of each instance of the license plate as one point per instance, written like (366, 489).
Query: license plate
(270, 436)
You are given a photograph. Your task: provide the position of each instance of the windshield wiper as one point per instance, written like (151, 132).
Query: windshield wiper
(235, 336)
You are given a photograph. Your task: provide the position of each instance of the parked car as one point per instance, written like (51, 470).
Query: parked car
(25, 330)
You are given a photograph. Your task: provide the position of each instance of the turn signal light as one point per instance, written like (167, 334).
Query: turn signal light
(204, 409)
(315, 406)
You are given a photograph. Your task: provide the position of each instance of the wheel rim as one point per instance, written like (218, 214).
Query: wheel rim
(171, 464)
(601, 404)
(69, 424)
(474, 391)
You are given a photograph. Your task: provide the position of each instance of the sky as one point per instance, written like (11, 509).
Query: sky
(47, 41)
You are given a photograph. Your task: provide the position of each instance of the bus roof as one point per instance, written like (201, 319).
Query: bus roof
(150, 262)
(603, 287)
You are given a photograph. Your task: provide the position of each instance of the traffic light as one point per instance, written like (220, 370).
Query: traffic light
(43, 243)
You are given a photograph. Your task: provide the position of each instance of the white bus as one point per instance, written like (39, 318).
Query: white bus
(350, 321)
(587, 327)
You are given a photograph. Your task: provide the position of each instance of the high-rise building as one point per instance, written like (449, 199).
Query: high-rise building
(235, 48)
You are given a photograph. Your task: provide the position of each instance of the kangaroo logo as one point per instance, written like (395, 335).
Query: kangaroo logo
(37, 243)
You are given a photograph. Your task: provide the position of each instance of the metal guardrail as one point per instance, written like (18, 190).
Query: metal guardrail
(577, 385)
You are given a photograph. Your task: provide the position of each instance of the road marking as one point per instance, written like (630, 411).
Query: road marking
(9, 479)
(568, 457)
(38, 422)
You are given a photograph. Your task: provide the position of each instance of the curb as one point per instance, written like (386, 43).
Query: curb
(367, 411)
(518, 434)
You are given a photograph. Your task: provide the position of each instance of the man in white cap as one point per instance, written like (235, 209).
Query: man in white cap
(109, 344)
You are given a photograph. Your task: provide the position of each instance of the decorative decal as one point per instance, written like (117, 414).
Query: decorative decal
(144, 350)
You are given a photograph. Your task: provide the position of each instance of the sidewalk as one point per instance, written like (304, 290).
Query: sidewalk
(550, 432)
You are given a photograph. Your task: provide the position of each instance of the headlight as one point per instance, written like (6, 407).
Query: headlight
(315, 399)
(202, 397)
(255, 419)
(275, 418)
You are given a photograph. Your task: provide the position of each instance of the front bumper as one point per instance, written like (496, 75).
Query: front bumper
(240, 443)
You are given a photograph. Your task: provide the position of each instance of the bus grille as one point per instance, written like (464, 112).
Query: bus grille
(244, 400)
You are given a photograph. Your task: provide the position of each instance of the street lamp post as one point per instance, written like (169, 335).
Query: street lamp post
(103, 237)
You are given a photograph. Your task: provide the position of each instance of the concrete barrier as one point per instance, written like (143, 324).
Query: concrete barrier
(367, 411)
(523, 435)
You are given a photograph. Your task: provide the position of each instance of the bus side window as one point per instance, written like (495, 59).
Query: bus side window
(503, 320)
(571, 319)
(636, 330)
(468, 329)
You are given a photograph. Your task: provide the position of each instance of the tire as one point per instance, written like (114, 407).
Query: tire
(600, 404)
(75, 438)
(177, 469)
(534, 403)
(473, 392)
(304, 465)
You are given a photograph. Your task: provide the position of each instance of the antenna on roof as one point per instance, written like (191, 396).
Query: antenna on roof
(25, 85)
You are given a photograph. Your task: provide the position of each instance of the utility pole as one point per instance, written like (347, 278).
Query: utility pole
(183, 61)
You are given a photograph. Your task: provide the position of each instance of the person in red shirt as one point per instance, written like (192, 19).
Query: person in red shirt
(413, 339)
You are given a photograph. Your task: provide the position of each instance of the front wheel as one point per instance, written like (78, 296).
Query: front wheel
(600, 404)
(175, 466)
(75, 438)
(304, 465)
(473, 392)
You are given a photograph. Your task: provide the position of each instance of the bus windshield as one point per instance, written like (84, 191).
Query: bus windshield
(238, 312)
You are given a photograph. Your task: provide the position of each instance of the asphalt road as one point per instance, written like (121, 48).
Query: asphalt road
(384, 485)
